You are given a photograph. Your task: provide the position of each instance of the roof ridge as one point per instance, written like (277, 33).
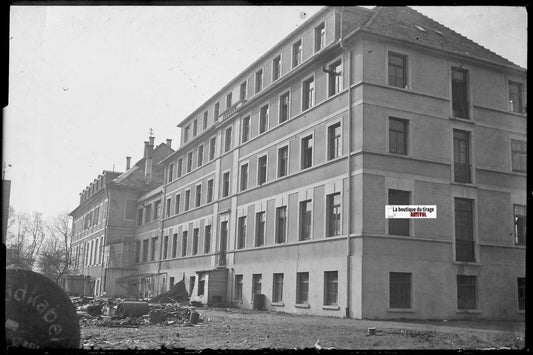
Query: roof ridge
(376, 11)
(460, 35)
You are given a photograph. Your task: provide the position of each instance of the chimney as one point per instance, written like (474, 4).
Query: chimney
(128, 163)
(169, 142)
(148, 154)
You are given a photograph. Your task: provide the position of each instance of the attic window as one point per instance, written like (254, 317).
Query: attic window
(420, 28)
(438, 32)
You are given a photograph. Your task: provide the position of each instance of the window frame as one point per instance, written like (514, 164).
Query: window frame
(207, 238)
(520, 95)
(198, 195)
(399, 223)
(184, 236)
(258, 84)
(300, 220)
(242, 230)
(287, 161)
(472, 257)
(395, 303)
(330, 207)
(277, 225)
(259, 158)
(226, 191)
(244, 85)
(317, 40)
(467, 305)
(288, 93)
(187, 202)
(243, 184)
(517, 239)
(260, 118)
(312, 102)
(228, 146)
(328, 140)
(341, 76)
(247, 118)
(296, 60)
(190, 160)
(406, 124)
(328, 282)
(521, 151)
(277, 287)
(404, 69)
(259, 232)
(299, 284)
(200, 156)
(212, 148)
(468, 100)
(274, 78)
(469, 164)
(210, 190)
(302, 160)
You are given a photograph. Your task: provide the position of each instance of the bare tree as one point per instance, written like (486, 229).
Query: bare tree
(16, 241)
(36, 235)
(55, 259)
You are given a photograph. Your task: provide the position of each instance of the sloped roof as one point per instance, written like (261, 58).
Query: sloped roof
(408, 24)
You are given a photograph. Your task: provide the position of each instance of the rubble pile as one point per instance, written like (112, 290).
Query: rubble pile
(93, 311)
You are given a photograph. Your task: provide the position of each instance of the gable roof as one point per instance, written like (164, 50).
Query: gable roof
(407, 24)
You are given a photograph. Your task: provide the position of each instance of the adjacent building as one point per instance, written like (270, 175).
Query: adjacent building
(281, 179)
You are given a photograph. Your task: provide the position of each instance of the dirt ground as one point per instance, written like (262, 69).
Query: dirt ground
(236, 329)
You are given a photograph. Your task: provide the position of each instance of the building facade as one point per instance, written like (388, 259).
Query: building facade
(281, 179)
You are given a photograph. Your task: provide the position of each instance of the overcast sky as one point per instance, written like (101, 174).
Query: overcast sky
(87, 83)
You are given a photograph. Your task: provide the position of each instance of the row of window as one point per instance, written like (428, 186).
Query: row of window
(398, 144)
(400, 289)
(398, 77)
(296, 51)
(308, 95)
(464, 223)
(331, 289)
(91, 253)
(146, 249)
(96, 186)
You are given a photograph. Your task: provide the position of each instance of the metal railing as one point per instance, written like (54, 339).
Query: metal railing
(465, 250)
(462, 173)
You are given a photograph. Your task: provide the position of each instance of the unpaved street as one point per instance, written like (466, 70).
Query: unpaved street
(235, 329)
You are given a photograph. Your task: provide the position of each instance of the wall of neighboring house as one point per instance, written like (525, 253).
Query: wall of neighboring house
(429, 251)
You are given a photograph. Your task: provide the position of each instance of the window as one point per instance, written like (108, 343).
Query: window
(305, 219)
(187, 199)
(335, 78)
(177, 205)
(515, 97)
(400, 290)
(201, 284)
(466, 292)
(194, 128)
(137, 251)
(308, 90)
(171, 282)
(225, 184)
(242, 91)
(283, 161)
(184, 243)
(399, 226)
(277, 288)
(519, 155)
(145, 250)
(216, 112)
(307, 152)
(333, 222)
(320, 36)
(263, 118)
(200, 158)
(154, 243)
(140, 216)
(245, 129)
(520, 221)
(227, 140)
(198, 195)
(297, 53)
(186, 134)
(228, 100)
(165, 247)
(284, 107)
(238, 288)
(223, 239)
(195, 233)
(256, 284)
(168, 208)
(260, 229)
(331, 288)
(276, 68)
(180, 165)
(209, 190)
(334, 141)
(258, 80)
(174, 244)
(521, 293)
(206, 113)
(281, 224)
(148, 213)
(192, 281)
(157, 209)
(207, 239)
(302, 287)
(398, 136)
(262, 170)
(244, 177)
(242, 233)
(461, 156)
(464, 230)
(460, 93)
(398, 70)
(189, 162)
(170, 172)
(212, 147)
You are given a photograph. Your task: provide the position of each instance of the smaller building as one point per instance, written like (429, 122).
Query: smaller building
(104, 222)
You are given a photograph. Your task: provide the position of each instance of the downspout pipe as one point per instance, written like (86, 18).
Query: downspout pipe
(348, 170)
(163, 214)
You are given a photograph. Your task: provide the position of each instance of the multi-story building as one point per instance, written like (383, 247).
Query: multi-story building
(281, 179)
(104, 222)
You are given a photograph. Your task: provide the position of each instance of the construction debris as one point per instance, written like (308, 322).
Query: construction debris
(178, 293)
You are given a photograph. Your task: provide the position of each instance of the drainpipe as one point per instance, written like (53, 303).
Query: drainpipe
(348, 171)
